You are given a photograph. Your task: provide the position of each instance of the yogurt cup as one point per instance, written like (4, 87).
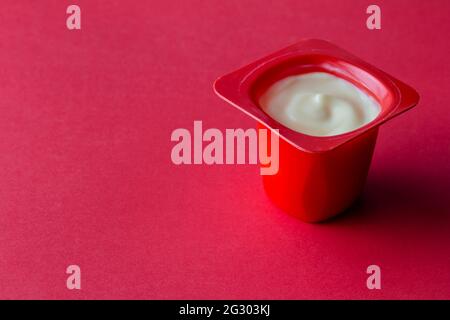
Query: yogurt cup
(318, 177)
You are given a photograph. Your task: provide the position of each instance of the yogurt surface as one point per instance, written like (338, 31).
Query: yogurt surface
(319, 104)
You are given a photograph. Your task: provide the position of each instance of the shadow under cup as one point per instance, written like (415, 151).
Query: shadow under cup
(318, 177)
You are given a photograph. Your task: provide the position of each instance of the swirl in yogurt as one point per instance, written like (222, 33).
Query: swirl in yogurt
(319, 104)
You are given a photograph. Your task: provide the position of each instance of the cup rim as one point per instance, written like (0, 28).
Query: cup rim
(240, 87)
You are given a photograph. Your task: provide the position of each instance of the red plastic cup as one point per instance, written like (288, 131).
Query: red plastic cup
(318, 177)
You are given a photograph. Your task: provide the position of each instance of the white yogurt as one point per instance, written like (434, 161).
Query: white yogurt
(319, 104)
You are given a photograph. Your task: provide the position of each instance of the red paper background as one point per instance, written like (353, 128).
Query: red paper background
(86, 176)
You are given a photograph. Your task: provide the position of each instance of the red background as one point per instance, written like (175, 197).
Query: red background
(86, 176)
